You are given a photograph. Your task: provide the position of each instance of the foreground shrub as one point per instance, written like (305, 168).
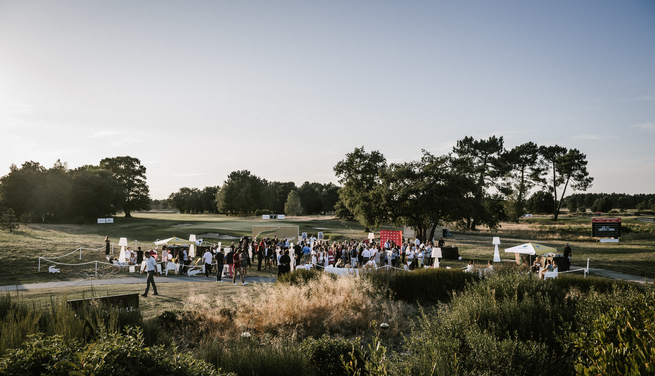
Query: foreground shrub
(20, 320)
(326, 354)
(302, 276)
(504, 325)
(343, 305)
(112, 355)
(246, 356)
(425, 286)
(617, 336)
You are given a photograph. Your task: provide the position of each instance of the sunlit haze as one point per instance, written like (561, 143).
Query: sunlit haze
(284, 89)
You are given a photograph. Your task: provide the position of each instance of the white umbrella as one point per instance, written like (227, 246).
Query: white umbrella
(531, 249)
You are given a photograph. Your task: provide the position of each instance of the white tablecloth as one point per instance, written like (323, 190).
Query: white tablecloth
(342, 271)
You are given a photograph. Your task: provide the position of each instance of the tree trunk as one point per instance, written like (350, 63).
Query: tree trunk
(559, 205)
(127, 214)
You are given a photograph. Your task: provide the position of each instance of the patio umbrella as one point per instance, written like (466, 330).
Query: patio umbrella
(531, 249)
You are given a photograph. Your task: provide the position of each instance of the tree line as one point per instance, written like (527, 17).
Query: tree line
(34, 193)
(245, 193)
(603, 202)
(478, 183)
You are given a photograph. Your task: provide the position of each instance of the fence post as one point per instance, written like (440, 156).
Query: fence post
(587, 270)
(39, 263)
(80, 253)
(96, 268)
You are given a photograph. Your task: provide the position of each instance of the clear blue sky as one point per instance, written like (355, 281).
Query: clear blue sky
(197, 89)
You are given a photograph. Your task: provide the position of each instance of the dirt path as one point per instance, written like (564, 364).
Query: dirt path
(130, 280)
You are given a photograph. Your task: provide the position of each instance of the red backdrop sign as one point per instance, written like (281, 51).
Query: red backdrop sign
(395, 236)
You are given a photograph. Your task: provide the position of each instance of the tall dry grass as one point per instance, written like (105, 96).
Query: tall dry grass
(345, 307)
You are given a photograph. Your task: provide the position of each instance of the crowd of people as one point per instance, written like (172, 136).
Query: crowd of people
(269, 253)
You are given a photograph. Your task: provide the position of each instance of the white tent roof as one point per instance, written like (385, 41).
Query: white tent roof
(173, 240)
(531, 249)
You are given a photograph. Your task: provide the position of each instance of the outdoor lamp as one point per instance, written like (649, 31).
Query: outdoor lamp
(496, 243)
(122, 257)
(192, 249)
(436, 254)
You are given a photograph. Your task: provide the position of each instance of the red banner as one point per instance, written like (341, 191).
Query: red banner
(606, 220)
(395, 236)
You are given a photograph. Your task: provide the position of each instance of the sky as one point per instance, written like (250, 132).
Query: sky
(284, 89)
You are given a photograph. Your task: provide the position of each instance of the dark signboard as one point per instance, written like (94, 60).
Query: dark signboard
(606, 227)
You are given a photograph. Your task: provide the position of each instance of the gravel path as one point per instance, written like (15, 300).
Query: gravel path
(119, 281)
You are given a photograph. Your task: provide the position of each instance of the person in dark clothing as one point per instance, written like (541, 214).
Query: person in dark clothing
(107, 245)
(285, 264)
(139, 256)
(219, 265)
(260, 258)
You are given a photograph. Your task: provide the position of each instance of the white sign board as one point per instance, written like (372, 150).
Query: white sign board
(101, 220)
(280, 216)
(320, 236)
(266, 216)
(371, 235)
(109, 220)
(304, 235)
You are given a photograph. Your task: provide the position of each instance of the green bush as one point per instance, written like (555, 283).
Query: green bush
(325, 354)
(505, 324)
(20, 320)
(247, 356)
(112, 355)
(301, 276)
(616, 333)
(38, 356)
(425, 286)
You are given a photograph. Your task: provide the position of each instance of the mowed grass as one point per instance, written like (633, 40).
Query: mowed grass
(19, 250)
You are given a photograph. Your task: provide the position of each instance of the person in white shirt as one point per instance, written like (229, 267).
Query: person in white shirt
(151, 268)
(419, 257)
(207, 258)
(366, 255)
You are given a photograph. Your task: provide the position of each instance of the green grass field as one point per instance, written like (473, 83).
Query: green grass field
(19, 250)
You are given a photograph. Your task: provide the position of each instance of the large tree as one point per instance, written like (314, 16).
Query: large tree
(572, 168)
(524, 173)
(482, 162)
(293, 206)
(361, 192)
(421, 194)
(240, 194)
(132, 174)
(566, 167)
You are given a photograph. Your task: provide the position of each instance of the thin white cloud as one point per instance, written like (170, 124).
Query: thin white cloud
(594, 137)
(650, 126)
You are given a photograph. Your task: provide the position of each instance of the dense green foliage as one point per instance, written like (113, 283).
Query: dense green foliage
(113, 354)
(457, 187)
(605, 202)
(35, 193)
(244, 193)
(194, 200)
(301, 276)
(425, 286)
(505, 323)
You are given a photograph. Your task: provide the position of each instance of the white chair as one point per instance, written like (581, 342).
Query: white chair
(552, 274)
(52, 269)
(171, 266)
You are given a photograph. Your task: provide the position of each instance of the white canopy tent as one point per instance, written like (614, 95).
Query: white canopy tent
(531, 249)
(173, 240)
